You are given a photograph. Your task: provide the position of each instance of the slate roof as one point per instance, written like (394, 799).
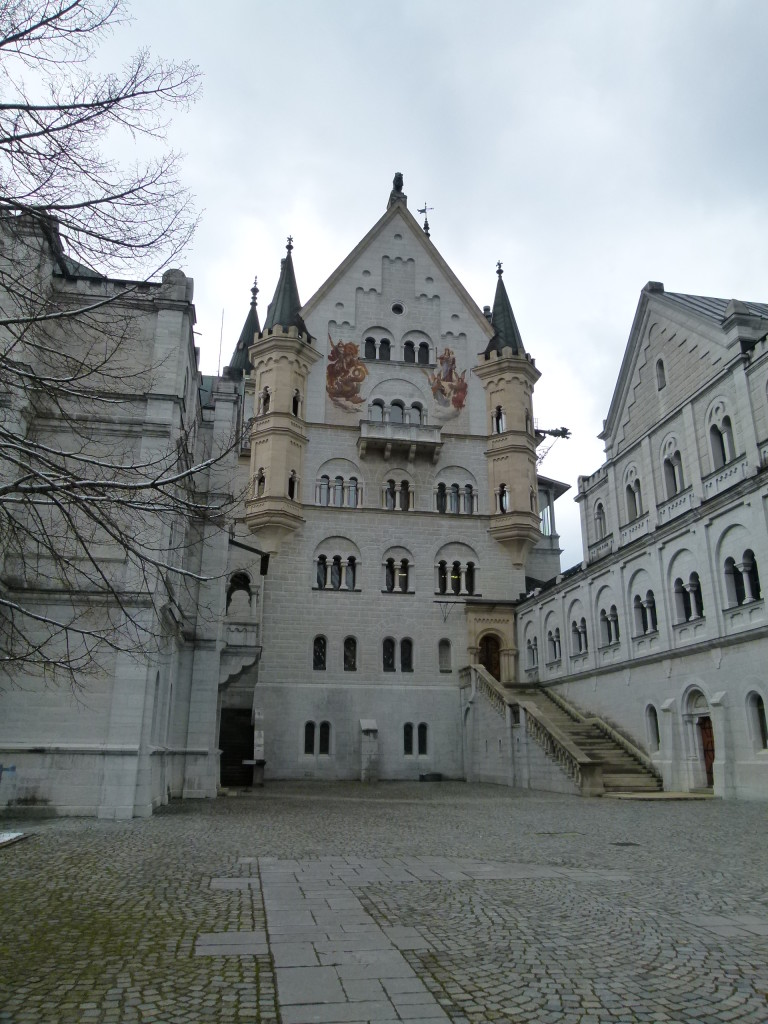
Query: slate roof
(506, 333)
(711, 307)
(284, 309)
(240, 363)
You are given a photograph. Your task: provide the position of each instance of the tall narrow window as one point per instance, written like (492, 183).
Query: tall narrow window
(409, 352)
(408, 739)
(396, 412)
(682, 602)
(324, 746)
(336, 572)
(265, 401)
(696, 600)
(734, 583)
(309, 738)
(351, 572)
(652, 721)
(422, 735)
(632, 509)
(583, 631)
(613, 616)
(352, 492)
(470, 577)
(641, 616)
(661, 377)
(444, 655)
(441, 498)
(673, 474)
(388, 654)
(390, 495)
(454, 499)
(322, 571)
(370, 348)
(442, 577)
(384, 349)
(318, 654)
(575, 638)
(403, 576)
(406, 655)
(469, 499)
(650, 604)
(600, 520)
(456, 577)
(756, 707)
(338, 491)
(503, 498)
(751, 576)
(423, 353)
(296, 403)
(377, 412)
(324, 491)
(350, 654)
(499, 423)
(292, 485)
(405, 496)
(261, 483)
(389, 575)
(417, 414)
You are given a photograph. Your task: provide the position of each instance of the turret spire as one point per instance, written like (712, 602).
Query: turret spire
(506, 339)
(240, 363)
(284, 309)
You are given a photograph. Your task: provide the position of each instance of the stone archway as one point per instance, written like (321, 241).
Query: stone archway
(702, 738)
(489, 655)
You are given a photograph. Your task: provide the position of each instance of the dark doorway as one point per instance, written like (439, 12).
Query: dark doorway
(489, 656)
(236, 744)
(708, 747)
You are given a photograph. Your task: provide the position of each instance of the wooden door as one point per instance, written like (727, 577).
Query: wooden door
(236, 744)
(708, 747)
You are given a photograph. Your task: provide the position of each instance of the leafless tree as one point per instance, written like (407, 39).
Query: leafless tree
(99, 524)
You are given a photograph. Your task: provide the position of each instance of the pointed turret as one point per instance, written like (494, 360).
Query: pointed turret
(508, 375)
(240, 362)
(506, 340)
(285, 308)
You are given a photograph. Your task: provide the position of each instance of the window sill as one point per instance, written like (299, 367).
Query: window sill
(648, 635)
(403, 593)
(611, 646)
(456, 597)
(333, 590)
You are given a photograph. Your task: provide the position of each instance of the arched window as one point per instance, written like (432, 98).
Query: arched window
(551, 645)
(261, 483)
(293, 481)
(499, 420)
(296, 402)
(717, 444)
(319, 646)
(530, 659)
(352, 492)
(469, 577)
(453, 499)
(423, 353)
(422, 738)
(405, 496)
(661, 377)
(605, 628)
(322, 571)
(442, 577)
(408, 739)
(350, 654)
(673, 474)
(527, 422)
(325, 738)
(751, 576)
(384, 349)
(652, 724)
(632, 509)
(309, 738)
(324, 491)
(641, 616)
(390, 495)
(697, 601)
(396, 412)
(456, 577)
(377, 412)
(441, 498)
(600, 520)
(734, 584)
(336, 572)
(402, 575)
(406, 655)
(409, 352)
(613, 617)
(238, 582)
(370, 348)
(575, 638)
(417, 414)
(758, 723)
(388, 654)
(583, 631)
(650, 605)
(265, 401)
(444, 655)
(338, 491)
(503, 498)
(389, 575)
(350, 572)
(682, 601)
(469, 499)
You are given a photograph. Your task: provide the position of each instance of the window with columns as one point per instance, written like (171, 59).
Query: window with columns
(644, 611)
(456, 499)
(377, 348)
(532, 653)
(609, 626)
(742, 580)
(456, 577)
(397, 496)
(553, 643)
(721, 443)
(634, 500)
(397, 412)
(338, 491)
(397, 576)
(336, 572)
(579, 642)
(317, 741)
(498, 420)
(688, 600)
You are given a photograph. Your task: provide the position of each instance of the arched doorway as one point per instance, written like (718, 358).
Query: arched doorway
(702, 738)
(490, 655)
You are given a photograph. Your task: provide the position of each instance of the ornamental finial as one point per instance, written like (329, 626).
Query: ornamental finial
(499, 271)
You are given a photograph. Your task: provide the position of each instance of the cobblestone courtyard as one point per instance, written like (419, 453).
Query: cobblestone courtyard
(416, 902)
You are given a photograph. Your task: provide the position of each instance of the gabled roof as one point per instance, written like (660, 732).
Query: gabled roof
(399, 210)
(507, 335)
(713, 308)
(285, 308)
(240, 363)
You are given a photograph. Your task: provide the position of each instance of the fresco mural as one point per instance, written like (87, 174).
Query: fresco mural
(345, 374)
(448, 386)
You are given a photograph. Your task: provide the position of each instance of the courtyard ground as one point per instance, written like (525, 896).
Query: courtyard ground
(420, 902)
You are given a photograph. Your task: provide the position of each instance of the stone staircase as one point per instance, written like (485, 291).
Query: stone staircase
(624, 768)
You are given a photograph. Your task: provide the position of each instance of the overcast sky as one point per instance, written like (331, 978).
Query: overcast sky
(591, 145)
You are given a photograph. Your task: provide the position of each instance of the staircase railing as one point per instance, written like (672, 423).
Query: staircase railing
(605, 729)
(578, 766)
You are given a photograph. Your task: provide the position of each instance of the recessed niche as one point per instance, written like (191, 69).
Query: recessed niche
(454, 316)
(398, 238)
(339, 305)
(366, 273)
(429, 280)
